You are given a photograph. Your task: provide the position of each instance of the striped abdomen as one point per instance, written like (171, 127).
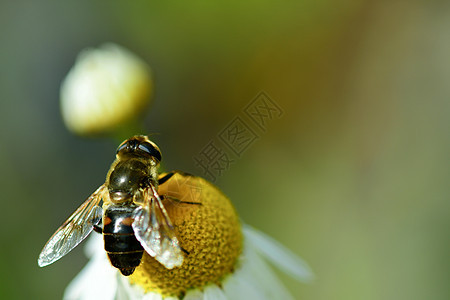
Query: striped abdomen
(124, 250)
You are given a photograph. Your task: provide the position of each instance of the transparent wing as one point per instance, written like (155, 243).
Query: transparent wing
(75, 229)
(153, 229)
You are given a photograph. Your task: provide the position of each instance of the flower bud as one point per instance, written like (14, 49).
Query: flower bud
(106, 88)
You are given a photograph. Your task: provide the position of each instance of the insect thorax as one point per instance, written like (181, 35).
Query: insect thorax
(128, 176)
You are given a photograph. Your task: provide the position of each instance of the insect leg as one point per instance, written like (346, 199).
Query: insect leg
(166, 177)
(184, 250)
(98, 227)
(170, 174)
(177, 200)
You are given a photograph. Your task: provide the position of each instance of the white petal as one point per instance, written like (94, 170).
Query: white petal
(125, 291)
(239, 287)
(258, 270)
(193, 295)
(97, 280)
(94, 245)
(213, 292)
(279, 255)
(152, 296)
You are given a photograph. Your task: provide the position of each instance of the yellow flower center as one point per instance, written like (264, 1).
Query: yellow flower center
(210, 232)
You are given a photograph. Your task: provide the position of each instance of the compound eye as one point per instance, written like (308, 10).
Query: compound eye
(150, 150)
(121, 147)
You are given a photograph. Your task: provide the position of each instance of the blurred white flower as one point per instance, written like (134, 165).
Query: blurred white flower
(252, 279)
(105, 88)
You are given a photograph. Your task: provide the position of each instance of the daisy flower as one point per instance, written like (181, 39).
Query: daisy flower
(107, 87)
(225, 260)
(221, 259)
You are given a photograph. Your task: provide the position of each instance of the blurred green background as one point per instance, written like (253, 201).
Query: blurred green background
(354, 177)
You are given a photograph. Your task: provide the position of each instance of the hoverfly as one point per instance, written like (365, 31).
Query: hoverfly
(132, 218)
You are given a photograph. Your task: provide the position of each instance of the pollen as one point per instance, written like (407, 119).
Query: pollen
(207, 228)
